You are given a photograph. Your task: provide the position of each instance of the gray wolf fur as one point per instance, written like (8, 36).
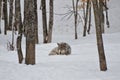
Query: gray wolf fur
(62, 49)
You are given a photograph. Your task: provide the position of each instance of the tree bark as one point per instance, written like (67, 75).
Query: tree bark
(107, 20)
(10, 14)
(75, 6)
(25, 16)
(86, 18)
(50, 21)
(0, 14)
(36, 23)
(5, 13)
(89, 25)
(19, 49)
(18, 24)
(102, 60)
(101, 15)
(44, 19)
(30, 36)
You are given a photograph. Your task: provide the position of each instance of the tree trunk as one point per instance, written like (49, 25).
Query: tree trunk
(44, 19)
(102, 60)
(86, 18)
(75, 6)
(0, 14)
(101, 15)
(25, 14)
(50, 21)
(19, 50)
(106, 10)
(89, 25)
(30, 36)
(18, 24)
(5, 13)
(10, 15)
(36, 23)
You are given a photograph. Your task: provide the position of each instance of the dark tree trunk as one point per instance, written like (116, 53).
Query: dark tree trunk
(19, 49)
(24, 20)
(44, 19)
(5, 13)
(30, 36)
(106, 10)
(102, 60)
(36, 23)
(89, 25)
(75, 6)
(50, 21)
(86, 18)
(101, 15)
(10, 15)
(0, 14)
(18, 24)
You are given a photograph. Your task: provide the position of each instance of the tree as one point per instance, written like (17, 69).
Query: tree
(106, 10)
(5, 14)
(0, 14)
(101, 15)
(44, 21)
(75, 10)
(30, 36)
(102, 60)
(10, 14)
(18, 24)
(86, 18)
(50, 21)
(89, 25)
(10, 26)
(83, 6)
(36, 22)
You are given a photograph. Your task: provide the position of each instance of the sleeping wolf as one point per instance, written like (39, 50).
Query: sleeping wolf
(62, 49)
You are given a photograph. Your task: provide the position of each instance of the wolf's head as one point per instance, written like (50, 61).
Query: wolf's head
(61, 45)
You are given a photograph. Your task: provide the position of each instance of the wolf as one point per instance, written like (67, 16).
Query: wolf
(62, 49)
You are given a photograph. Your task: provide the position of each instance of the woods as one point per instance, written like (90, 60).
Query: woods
(28, 25)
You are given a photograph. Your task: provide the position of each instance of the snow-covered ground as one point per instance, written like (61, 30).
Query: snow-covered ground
(82, 64)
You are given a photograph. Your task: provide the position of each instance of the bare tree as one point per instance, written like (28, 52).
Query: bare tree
(86, 18)
(25, 16)
(50, 21)
(18, 24)
(89, 24)
(36, 23)
(44, 19)
(101, 15)
(30, 36)
(10, 14)
(5, 13)
(83, 10)
(106, 10)
(11, 27)
(0, 14)
(102, 60)
(75, 10)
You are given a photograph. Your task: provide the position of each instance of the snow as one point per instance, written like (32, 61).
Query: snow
(82, 64)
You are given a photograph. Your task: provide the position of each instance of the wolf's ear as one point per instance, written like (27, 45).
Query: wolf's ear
(65, 43)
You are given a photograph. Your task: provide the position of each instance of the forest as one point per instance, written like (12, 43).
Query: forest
(31, 29)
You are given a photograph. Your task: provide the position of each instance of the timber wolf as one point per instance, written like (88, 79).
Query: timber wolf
(62, 49)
